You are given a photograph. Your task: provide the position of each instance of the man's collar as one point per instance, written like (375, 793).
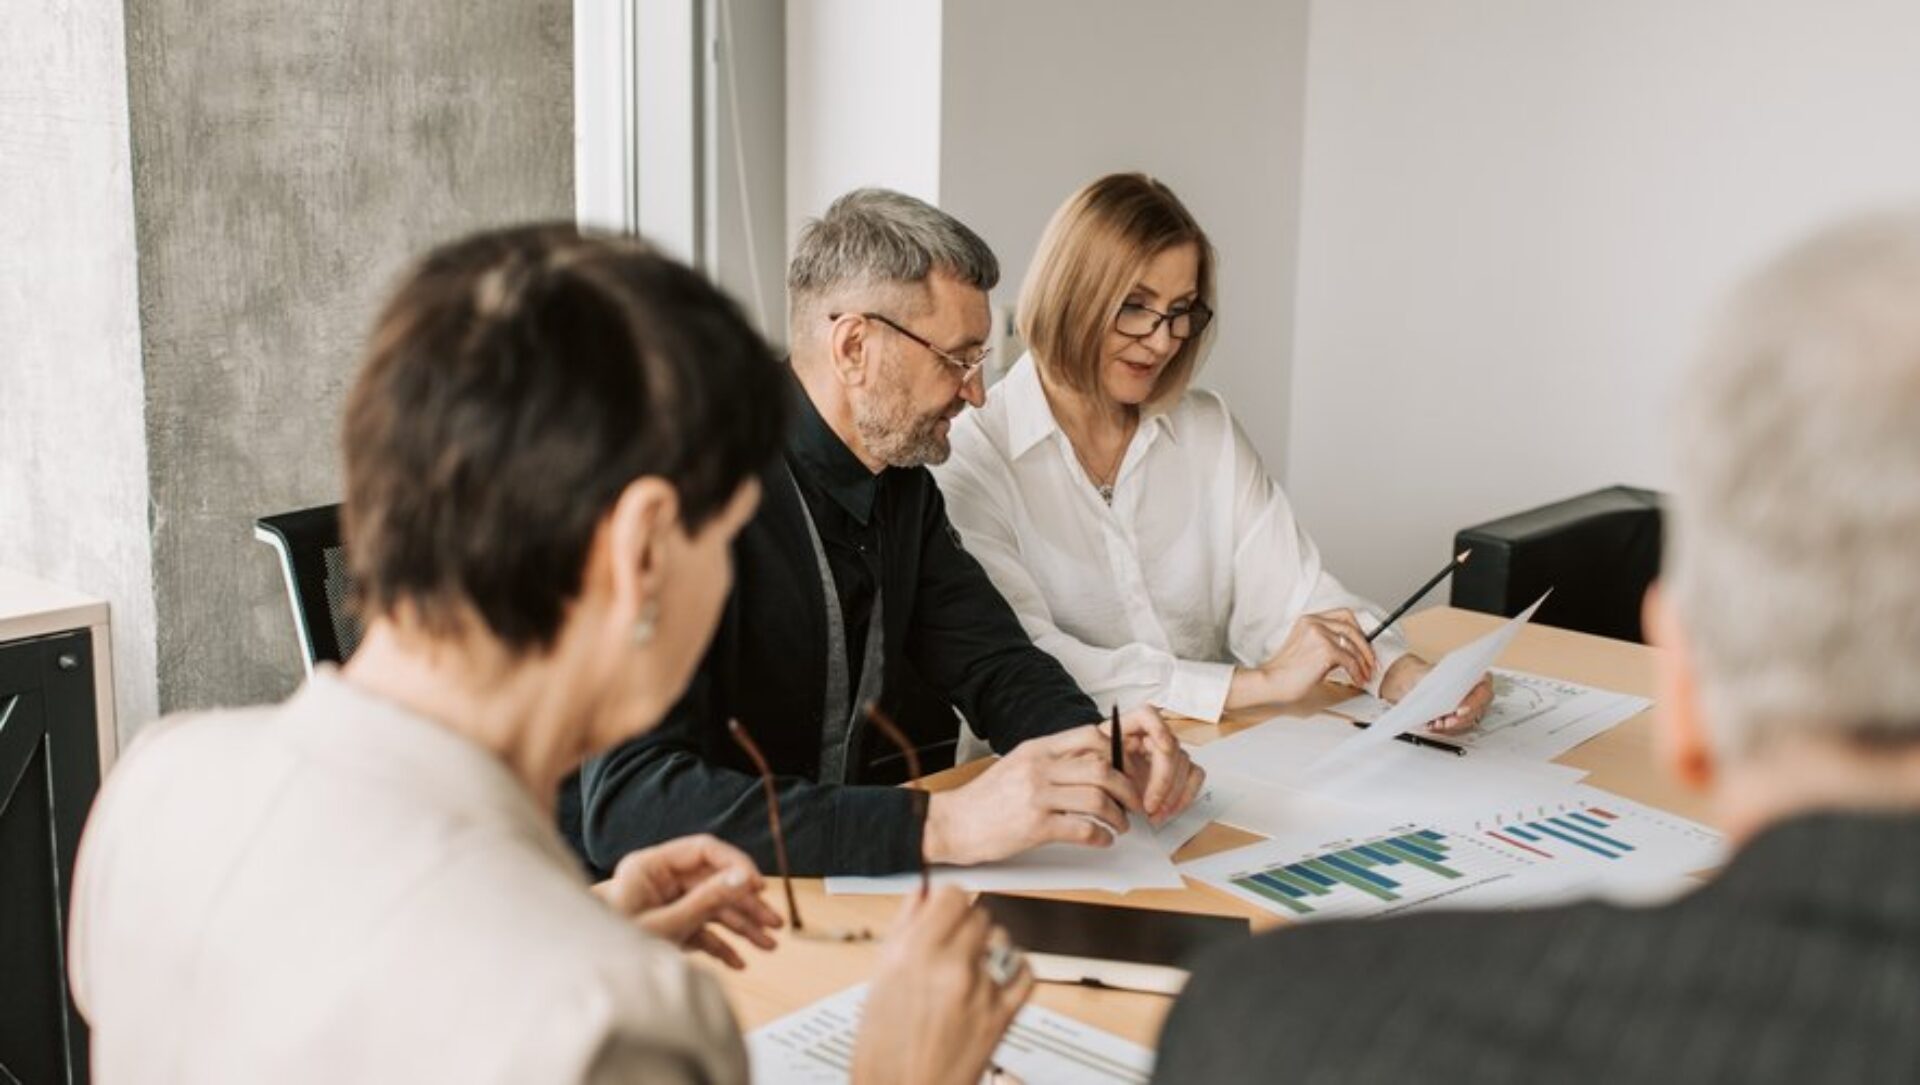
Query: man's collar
(827, 460)
(1030, 418)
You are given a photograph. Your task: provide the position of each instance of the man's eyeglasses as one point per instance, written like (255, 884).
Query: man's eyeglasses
(1139, 322)
(886, 727)
(965, 365)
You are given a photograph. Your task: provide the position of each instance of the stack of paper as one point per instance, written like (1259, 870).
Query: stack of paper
(814, 1046)
(1278, 772)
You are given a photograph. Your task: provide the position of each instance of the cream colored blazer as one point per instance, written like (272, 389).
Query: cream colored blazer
(336, 890)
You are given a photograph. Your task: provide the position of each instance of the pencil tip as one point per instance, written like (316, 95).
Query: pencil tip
(1462, 556)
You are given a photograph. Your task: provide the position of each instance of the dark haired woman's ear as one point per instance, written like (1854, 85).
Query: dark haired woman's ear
(635, 534)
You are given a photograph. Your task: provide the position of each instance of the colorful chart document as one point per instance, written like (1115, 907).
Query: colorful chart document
(1381, 872)
(814, 1046)
(1582, 843)
(1532, 716)
(1441, 691)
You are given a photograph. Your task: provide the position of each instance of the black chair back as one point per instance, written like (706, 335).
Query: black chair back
(318, 584)
(1598, 552)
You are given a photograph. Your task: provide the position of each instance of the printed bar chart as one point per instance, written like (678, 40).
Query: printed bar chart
(1587, 842)
(814, 1046)
(1605, 832)
(1374, 876)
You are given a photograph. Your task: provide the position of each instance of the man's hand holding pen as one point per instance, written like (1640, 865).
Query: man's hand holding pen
(1064, 788)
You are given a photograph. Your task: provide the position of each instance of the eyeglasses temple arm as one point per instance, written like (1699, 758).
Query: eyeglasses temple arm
(746, 743)
(921, 798)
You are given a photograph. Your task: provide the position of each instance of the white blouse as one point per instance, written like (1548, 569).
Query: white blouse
(1197, 566)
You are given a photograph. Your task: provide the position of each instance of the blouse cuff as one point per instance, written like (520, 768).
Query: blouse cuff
(1196, 690)
(1387, 650)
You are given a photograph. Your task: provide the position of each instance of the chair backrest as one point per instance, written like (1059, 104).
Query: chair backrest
(1598, 552)
(318, 585)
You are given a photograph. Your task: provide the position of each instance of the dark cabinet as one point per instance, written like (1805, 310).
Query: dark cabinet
(49, 771)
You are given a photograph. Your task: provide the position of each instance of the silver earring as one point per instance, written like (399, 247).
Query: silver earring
(646, 625)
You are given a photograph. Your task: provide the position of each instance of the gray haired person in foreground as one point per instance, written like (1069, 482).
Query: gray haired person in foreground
(1789, 681)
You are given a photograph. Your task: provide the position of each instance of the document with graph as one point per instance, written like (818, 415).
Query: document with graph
(814, 1046)
(1531, 716)
(1585, 842)
(1439, 692)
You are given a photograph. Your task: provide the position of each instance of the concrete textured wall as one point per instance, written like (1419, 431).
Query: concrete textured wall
(73, 466)
(288, 160)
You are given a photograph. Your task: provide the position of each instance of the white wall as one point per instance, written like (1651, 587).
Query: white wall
(863, 101)
(1040, 98)
(1517, 217)
(747, 155)
(73, 473)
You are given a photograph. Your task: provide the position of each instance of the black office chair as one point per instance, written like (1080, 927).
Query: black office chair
(318, 585)
(1598, 552)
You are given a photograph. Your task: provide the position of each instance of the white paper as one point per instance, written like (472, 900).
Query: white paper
(1289, 755)
(1137, 859)
(1267, 808)
(1211, 805)
(814, 1046)
(1443, 688)
(1531, 716)
(1584, 842)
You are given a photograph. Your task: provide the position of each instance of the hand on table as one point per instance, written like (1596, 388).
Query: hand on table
(1061, 788)
(683, 889)
(933, 1014)
(1316, 646)
(1409, 669)
(1167, 779)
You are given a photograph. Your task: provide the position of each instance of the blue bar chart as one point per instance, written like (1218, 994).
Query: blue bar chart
(1608, 832)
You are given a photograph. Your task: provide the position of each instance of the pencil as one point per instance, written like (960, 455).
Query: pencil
(1119, 751)
(1458, 560)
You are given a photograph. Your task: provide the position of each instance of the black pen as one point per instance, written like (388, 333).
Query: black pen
(1420, 740)
(1119, 752)
(1458, 560)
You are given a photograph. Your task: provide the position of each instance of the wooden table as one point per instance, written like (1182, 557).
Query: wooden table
(1620, 760)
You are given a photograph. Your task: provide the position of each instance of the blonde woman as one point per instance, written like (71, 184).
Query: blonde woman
(1123, 514)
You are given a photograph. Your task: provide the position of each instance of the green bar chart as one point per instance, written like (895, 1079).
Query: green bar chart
(1374, 875)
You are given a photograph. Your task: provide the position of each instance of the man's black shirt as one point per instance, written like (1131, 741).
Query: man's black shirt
(948, 639)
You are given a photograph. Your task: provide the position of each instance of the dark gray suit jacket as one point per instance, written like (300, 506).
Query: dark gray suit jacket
(1799, 963)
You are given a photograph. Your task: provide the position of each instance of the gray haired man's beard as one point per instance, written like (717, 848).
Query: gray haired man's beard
(899, 439)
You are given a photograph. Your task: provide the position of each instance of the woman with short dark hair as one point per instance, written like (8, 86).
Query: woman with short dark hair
(549, 449)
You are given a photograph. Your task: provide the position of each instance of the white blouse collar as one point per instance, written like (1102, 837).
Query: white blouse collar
(1029, 417)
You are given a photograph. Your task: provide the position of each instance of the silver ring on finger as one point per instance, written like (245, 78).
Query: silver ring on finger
(1342, 638)
(1002, 963)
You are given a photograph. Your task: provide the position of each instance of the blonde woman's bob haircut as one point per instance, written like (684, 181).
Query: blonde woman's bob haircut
(1092, 254)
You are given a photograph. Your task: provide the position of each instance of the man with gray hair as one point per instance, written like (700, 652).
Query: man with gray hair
(1789, 681)
(852, 589)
